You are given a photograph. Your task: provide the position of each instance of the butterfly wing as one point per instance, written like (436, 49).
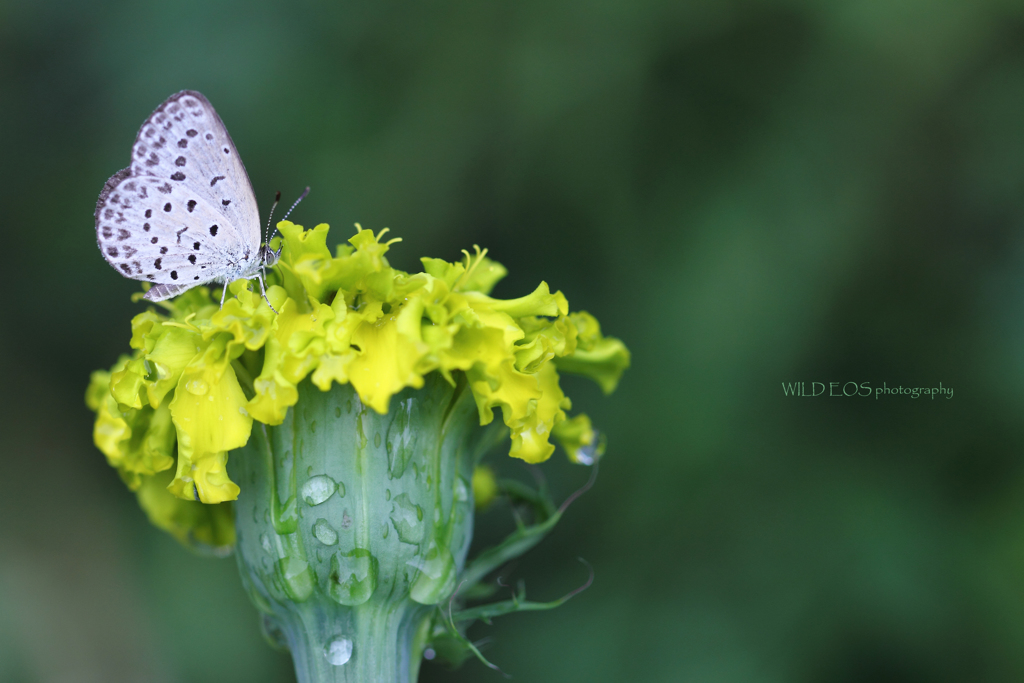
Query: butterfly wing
(184, 212)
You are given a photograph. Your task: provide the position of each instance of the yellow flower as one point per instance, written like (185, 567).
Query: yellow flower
(199, 375)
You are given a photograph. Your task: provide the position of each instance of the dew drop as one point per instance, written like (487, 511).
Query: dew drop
(309, 471)
(324, 532)
(318, 489)
(295, 574)
(353, 577)
(461, 490)
(587, 455)
(266, 543)
(312, 426)
(407, 518)
(387, 494)
(437, 575)
(337, 412)
(197, 387)
(376, 440)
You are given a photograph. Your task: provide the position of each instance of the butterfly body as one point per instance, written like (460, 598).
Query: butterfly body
(184, 213)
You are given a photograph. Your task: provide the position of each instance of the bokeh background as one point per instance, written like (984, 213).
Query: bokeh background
(748, 193)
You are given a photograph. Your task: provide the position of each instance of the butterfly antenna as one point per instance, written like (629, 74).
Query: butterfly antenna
(270, 218)
(301, 197)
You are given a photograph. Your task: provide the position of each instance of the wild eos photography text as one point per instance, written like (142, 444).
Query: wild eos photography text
(862, 390)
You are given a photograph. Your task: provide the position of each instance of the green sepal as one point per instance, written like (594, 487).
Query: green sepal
(519, 541)
(518, 603)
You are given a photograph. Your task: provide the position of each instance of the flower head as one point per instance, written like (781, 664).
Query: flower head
(199, 376)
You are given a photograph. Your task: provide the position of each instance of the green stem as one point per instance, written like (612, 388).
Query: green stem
(375, 526)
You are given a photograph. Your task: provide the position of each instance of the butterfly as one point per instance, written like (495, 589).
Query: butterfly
(184, 213)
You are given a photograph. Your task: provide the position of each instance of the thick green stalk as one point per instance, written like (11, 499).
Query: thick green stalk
(352, 525)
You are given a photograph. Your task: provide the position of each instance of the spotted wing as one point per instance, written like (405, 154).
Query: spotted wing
(184, 212)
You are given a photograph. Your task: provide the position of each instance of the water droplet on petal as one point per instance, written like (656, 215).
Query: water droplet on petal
(461, 490)
(297, 578)
(407, 518)
(437, 575)
(318, 489)
(197, 387)
(338, 651)
(588, 453)
(324, 532)
(353, 577)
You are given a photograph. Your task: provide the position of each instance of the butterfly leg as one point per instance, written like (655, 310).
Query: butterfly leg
(263, 289)
(224, 294)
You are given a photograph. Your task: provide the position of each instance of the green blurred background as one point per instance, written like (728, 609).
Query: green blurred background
(747, 193)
